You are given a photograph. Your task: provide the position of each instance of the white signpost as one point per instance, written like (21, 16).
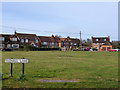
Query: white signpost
(11, 61)
(16, 60)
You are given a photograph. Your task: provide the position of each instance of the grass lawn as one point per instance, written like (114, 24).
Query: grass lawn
(88, 69)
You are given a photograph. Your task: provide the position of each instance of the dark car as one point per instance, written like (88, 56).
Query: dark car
(6, 49)
(86, 49)
(94, 49)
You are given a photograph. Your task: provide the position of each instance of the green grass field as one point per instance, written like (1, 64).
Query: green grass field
(88, 69)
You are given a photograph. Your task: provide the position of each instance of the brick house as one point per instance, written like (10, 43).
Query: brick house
(26, 39)
(69, 42)
(5, 41)
(49, 42)
(101, 43)
(18, 40)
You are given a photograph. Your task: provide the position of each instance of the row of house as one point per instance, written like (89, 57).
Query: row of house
(18, 40)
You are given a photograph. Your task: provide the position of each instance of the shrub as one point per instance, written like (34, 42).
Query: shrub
(28, 47)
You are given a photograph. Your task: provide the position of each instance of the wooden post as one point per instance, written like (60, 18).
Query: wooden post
(11, 65)
(11, 69)
(23, 68)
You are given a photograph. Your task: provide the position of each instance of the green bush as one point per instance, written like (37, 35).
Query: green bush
(28, 47)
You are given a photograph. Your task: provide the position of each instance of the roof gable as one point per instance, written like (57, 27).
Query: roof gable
(100, 39)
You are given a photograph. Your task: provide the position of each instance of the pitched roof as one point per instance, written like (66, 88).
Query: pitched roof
(70, 39)
(107, 43)
(100, 39)
(45, 38)
(62, 39)
(49, 39)
(31, 37)
(74, 40)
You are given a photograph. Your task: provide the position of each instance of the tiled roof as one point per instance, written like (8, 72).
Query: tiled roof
(48, 39)
(74, 40)
(107, 43)
(100, 39)
(45, 38)
(70, 39)
(62, 39)
(31, 37)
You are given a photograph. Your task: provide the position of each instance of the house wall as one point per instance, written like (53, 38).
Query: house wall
(106, 47)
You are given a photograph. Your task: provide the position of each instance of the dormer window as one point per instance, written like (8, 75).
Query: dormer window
(101, 44)
(2, 38)
(96, 39)
(67, 43)
(36, 40)
(26, 40)
(75, 43)
(22, 40)
(14, 39)
(104, 39)
(52, 43)
(44, 43)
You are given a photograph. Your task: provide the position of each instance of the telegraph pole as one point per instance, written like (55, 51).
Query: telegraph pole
(80, 35)
(80, 41)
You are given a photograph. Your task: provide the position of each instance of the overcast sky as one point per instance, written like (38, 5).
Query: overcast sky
(62, 18)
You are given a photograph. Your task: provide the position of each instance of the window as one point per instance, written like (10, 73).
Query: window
(104, 39)
(36, 40)
(1, 45)
(96, 43)
(26, 40)
(52, 43)
(15, 45)
(14, 39)
(96, 39)
(71, 43)
(8, 46)
(1, 38)
(36, 46)
(44, 43)
(96, 47)
(67, 43)
(32, 44)
(75, 43)
(101, 44)
(52, 46)
(22, 40)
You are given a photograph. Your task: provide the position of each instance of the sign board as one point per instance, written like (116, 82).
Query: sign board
(16, 60)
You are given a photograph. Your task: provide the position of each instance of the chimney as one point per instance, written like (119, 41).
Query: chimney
(109, 38)
(68, 37)
(52, 36)
(91, 39)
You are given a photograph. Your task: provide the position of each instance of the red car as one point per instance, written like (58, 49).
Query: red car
(112, 50)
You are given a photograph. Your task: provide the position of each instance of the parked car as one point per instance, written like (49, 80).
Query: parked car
(93, 49)
(6, 49)
(117, 50)
(112, 50)
(86, 49)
